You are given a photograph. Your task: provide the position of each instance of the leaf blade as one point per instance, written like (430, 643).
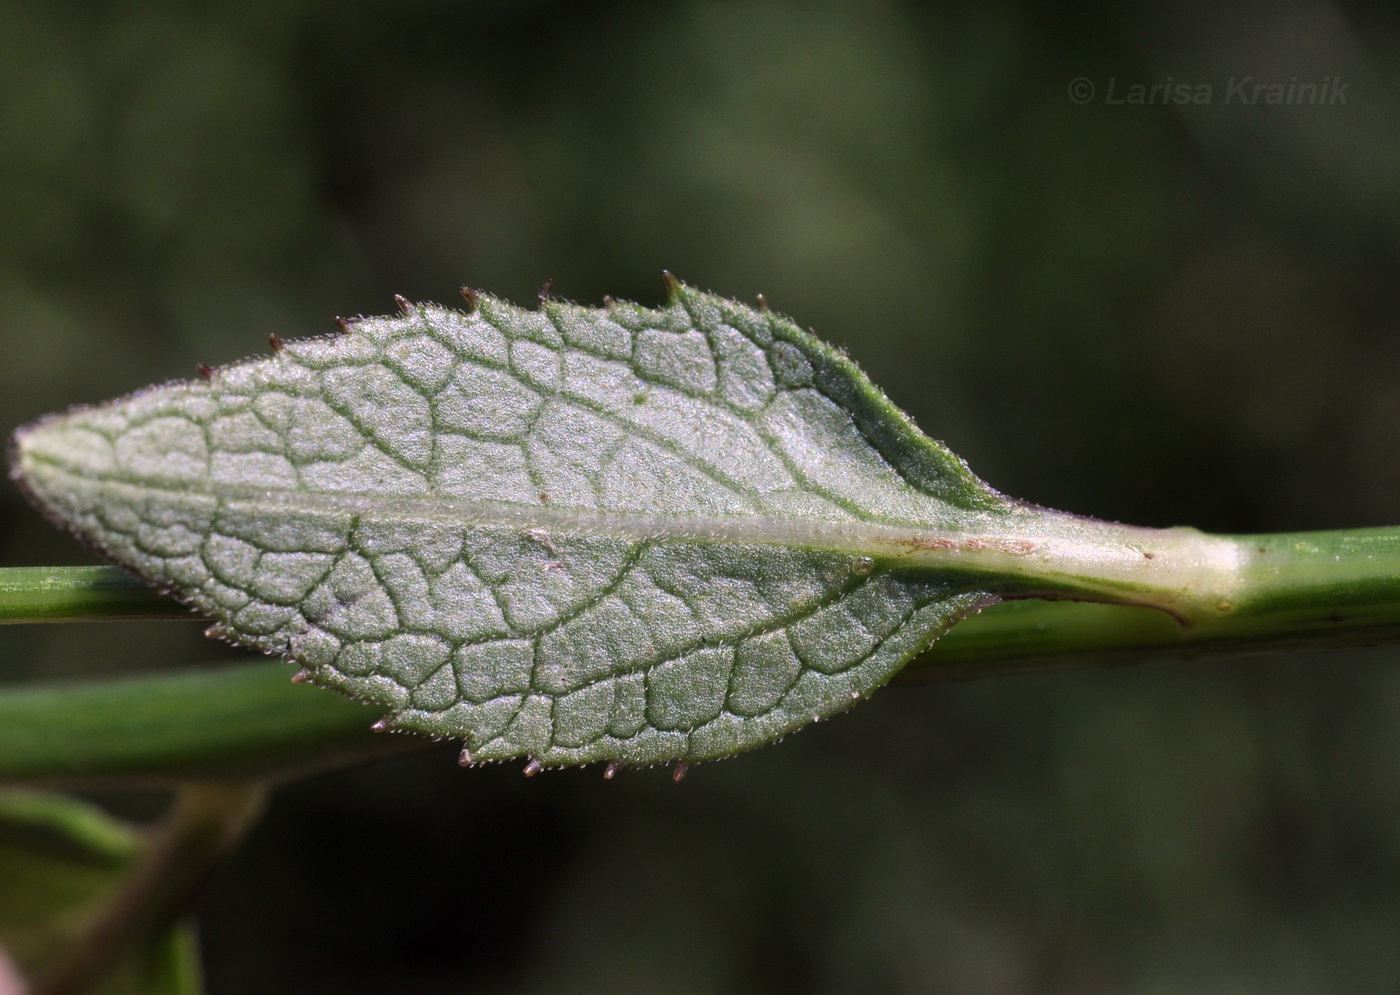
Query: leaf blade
(570, 534)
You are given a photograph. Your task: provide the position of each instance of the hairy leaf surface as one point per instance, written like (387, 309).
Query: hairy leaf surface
(569, 534)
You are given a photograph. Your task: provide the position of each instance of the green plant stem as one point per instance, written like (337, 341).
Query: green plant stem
(69, 594)
(204, 822)
(1291, 592)
(163, 729)
(1295, 591)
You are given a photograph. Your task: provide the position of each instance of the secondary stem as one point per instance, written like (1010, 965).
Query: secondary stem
(205, 821)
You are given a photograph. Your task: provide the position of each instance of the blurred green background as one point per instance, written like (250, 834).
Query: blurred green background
(1161, 314)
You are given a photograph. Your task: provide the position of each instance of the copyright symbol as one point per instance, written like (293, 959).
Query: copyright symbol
(1081, 89)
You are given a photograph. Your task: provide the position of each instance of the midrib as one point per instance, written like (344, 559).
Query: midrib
(1179, 570)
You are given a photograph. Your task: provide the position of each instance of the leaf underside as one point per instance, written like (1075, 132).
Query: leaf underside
(570, 534)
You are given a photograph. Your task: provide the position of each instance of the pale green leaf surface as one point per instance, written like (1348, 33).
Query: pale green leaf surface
(569, 534)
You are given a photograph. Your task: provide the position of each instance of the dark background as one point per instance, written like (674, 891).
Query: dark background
(1159, 314)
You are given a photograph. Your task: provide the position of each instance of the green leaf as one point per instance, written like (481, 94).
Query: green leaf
(60, 859)
(569, 534)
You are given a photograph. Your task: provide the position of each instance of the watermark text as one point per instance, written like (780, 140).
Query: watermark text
(1239, 91)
